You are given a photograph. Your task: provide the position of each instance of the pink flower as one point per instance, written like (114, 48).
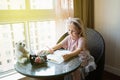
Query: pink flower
(37, 60)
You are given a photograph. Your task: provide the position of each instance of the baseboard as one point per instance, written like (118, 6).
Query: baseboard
(113, 70)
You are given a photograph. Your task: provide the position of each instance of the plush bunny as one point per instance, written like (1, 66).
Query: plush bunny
(21, 52)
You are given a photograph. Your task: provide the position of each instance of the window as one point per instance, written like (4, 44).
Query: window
(19, 25)
(33, 21)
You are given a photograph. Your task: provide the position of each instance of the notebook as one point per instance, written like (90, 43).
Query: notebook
(56, 57)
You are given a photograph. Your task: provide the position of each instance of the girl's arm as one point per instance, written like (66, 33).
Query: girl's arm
(72, 54)
(59, 45)
(56, 47)
(82, 46)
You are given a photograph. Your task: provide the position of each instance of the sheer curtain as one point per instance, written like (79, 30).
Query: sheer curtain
(83, 9)
(63, 10)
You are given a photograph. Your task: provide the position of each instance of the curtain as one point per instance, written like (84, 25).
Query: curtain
(63, 10)
(84, 9)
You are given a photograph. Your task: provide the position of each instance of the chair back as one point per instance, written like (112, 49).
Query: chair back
(95, 43)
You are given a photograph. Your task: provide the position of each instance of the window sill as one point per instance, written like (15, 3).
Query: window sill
(14, 76)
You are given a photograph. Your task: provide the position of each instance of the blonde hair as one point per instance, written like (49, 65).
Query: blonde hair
(78, 23)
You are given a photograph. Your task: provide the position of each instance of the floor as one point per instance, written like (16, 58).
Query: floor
(107, 76)
(110, 76)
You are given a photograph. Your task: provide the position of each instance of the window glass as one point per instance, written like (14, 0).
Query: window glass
(41, 4)
(6, 48)
(9, 34)
(42, 34)
(18, 32)
(12, 4)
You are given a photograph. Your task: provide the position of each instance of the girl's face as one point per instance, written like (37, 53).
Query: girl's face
(73, 31)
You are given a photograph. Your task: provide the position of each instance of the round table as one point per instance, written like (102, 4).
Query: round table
(48, 70)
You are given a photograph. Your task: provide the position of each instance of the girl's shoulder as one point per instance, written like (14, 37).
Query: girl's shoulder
(82, 38)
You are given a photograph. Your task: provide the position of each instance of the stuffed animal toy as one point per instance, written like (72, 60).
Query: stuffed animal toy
(21, 52)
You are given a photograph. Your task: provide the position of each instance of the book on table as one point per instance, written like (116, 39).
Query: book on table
(56, 57)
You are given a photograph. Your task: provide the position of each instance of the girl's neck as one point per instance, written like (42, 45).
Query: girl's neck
(74, 38)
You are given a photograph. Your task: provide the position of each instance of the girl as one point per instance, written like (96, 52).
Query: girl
(74, 42)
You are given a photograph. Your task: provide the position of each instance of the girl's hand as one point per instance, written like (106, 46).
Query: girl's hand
(66, 57)
(51, 50)
(43, 52)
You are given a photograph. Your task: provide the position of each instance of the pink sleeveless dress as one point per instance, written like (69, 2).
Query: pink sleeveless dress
(69, 44)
